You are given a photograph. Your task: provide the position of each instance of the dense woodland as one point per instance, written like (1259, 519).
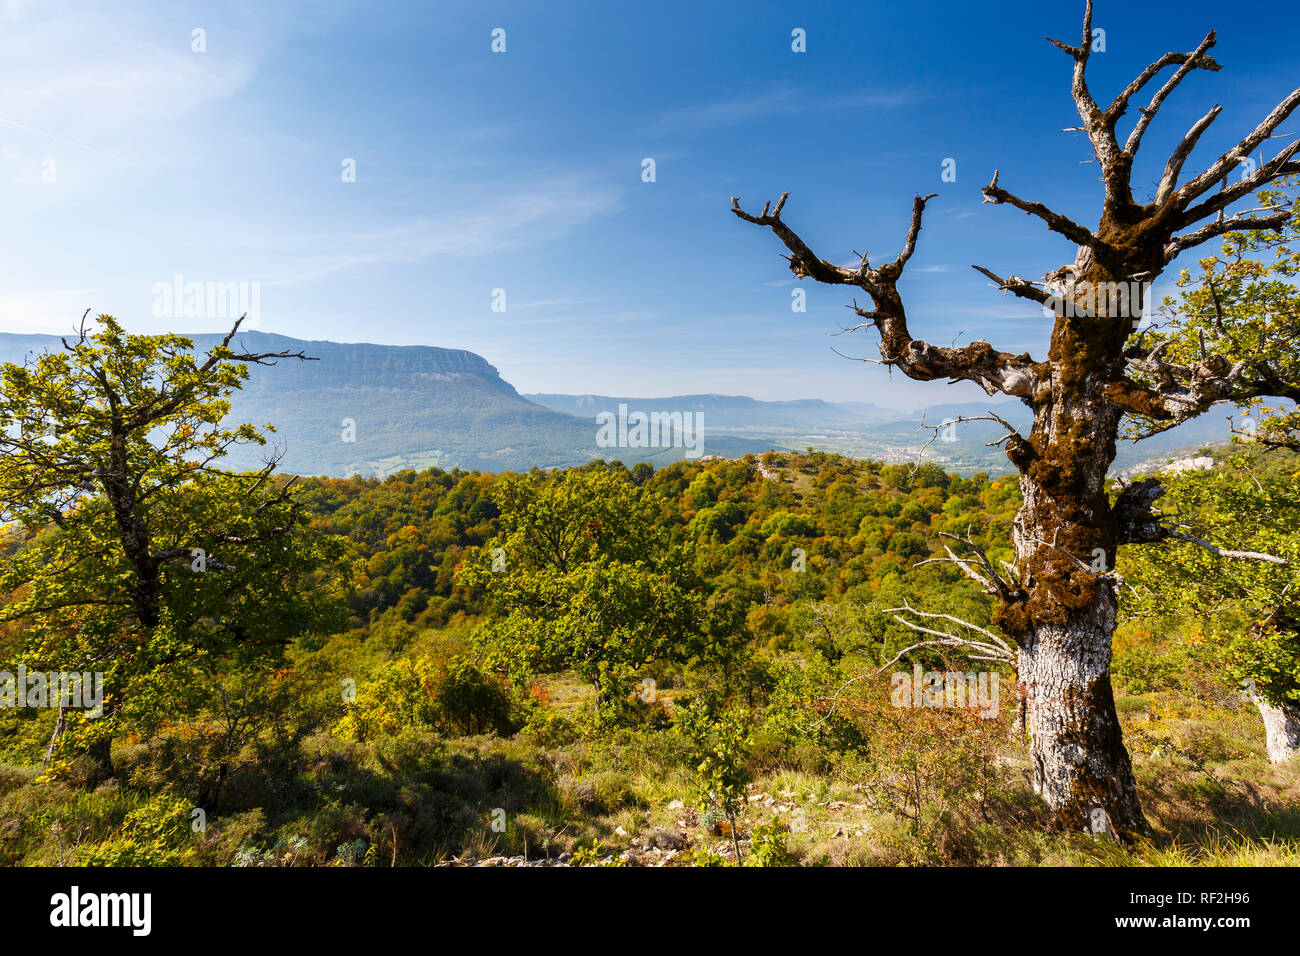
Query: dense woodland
(507, 714)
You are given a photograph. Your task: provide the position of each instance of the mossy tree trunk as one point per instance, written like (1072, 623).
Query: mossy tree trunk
(1062, 610)
(1064, 625)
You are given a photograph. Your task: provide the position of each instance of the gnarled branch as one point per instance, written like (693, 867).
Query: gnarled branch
(1017, 286)
(1187, 62)
(978, 362)
(1137, 522)
(1169, 181)
(1100, 132)
(1179, 392)
(1279, 165)
(1182, 197)
(993, 193)
(1221, 227)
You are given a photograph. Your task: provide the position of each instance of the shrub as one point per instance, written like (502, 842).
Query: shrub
(156, 833)
(453, 697)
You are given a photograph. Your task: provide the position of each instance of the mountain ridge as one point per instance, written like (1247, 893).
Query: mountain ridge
(374, 409)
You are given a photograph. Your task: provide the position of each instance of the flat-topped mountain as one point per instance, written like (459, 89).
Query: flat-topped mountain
(375, 409)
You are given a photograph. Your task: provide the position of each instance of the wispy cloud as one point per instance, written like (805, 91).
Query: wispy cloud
(547, 304)
(740, 109)
(781, 101)
(477, 222)
(92, 79)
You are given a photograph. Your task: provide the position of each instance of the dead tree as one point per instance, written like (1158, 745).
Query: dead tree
(1058, 602)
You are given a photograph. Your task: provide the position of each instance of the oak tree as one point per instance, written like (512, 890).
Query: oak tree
(588, 582)
(1057, 600)
(1231, 565)
(127, 549)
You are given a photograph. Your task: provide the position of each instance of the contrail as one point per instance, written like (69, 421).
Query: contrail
(41, 132)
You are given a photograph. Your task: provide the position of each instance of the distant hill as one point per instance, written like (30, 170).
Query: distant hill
(408, 406)
(863, 429)
(421, 406)
(869, 411)
(727, 412)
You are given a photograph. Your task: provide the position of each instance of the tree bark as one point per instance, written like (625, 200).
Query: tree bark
(1064, 616)
(1079, 764)
(1281, 729)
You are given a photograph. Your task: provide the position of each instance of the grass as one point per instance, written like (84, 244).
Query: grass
(1211, 797)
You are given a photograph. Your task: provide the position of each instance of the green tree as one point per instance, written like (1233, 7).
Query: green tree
(128, 551)
(586, 581)
(719, 754)
(1236, 549)
(1241, 305)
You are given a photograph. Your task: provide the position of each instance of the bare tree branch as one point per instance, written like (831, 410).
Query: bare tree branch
(1017, 286)
(1094, 120)
(993, 583)
(1279, 165)
(1187, 61)
(1137, 522)
(993, 193)
(1229, 160)
(1226, 552)
(1169, 181)
(978, 362)
(1012, 433)
(1239, 223)
(995, 638)
(995, 650)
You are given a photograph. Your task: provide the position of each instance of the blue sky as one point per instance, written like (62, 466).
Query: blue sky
(522, 171)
